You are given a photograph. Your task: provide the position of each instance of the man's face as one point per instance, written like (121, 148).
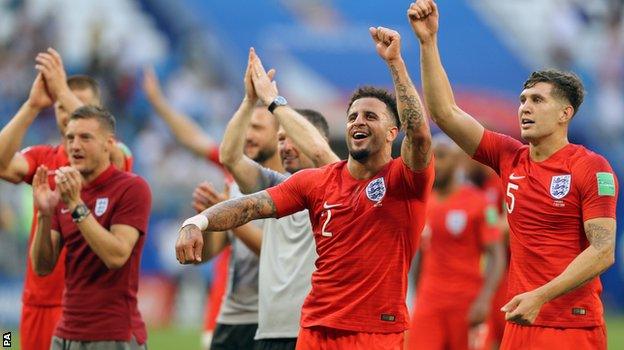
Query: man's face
(85, 96)
(292, 159)
(88, 145)
(369, 128)
(539, 113)
(447, 159)
(261, 136)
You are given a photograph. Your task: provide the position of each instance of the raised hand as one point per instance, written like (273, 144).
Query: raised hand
(387, 43)
(39, 97)
(205, 196)
(69, 183)
(264, 86)
(50, 64)
(151, 85)
(423, 17)
(44, 198)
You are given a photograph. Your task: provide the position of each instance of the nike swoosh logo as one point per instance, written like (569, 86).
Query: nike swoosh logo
(514, 177)
(64, 211)
(329, 206)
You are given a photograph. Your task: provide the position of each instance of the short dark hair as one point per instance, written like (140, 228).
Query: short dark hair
(565, 85)
(382, 95)
(104, 117)
(82, 82)
(317, 119)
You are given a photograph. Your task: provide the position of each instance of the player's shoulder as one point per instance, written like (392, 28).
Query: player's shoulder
(324, 170)
(475, 194)
(583, 159)
(128, 179)
(43, 148)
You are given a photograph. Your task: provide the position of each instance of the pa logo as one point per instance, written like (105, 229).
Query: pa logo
(376, 190)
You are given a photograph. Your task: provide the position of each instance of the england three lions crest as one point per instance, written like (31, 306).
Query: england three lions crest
(376, 190)
(101, 204)
(560, 186)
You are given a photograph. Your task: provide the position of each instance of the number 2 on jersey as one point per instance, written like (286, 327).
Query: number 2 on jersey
(512, 201)
(323, 232)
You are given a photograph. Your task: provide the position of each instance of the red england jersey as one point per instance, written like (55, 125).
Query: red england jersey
(547, 203)
(48, 290)
(101, 304)
(366, 233)
(459, 227)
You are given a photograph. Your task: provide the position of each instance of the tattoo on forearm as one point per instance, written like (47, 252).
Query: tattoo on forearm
(599, 236)
(411, 115)
(239, 211)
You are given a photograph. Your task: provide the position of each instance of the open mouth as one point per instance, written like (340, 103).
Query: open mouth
(359, 135)
(526, 121)
(77, 157)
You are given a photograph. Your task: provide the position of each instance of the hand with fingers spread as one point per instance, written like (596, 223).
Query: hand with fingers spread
(50, 64)
(387, 43)
(205, 196)
(151, 85)
(264, 86)
(523, 308)
(39, 97)
(45, 199)
(69, 183)
(423, 17)
(189, 245)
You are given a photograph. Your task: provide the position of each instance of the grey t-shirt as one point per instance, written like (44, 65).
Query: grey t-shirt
(287, 261)
(240, 302)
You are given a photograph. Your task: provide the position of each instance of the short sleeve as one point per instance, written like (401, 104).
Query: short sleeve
(34, 156)
(418, 182)
(494, 147)
(291, 195)
(134, 206)
(490, 231)
(271, 178)
(598, 188)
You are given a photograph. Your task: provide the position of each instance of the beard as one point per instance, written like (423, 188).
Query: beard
(360, 155)
(264, 155)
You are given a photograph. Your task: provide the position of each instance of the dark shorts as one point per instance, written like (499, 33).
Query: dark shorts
(276, 344)
(65, 344)
(233, 336)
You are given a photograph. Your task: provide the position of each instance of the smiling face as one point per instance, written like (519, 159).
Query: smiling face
(370, 129)
(261, 136)
(293, 160)
(542, 114)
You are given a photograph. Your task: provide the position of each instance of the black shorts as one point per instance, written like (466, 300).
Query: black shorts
(233, 336)
(276, 344)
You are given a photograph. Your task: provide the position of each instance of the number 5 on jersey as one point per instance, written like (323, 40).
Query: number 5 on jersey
(512, 198)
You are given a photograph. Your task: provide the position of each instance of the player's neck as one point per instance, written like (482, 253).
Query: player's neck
(541, 150)
(96, 173)
(365, 169)
(274, 163)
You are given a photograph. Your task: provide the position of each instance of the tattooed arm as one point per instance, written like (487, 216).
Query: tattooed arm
(416, 146)
(592, 261)
(222, 217)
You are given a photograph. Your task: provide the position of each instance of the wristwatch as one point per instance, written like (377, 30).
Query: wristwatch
(80, 213)
(279, 101)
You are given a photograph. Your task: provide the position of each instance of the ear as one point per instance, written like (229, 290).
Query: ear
(566, 115)
(111, 142)
(392, 134)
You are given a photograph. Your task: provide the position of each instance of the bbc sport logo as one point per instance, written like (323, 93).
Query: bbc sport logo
(6, 340)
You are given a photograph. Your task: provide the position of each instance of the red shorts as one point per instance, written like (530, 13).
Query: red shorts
(323, 338)
(537, 338)
(445, 329)
(37, 326)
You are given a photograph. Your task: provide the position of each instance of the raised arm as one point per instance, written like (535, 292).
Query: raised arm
(308, 139)
(416, 146)
(188, 133)
(221, 217)
(50, 64)
(437, 91)
(13, 165)
(592, 261)
(46, 244)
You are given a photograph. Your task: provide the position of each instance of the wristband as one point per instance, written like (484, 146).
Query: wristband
(198, 220)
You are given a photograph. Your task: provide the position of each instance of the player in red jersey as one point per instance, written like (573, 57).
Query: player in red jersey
(100, 214)
(42, 296)
(366, 213)
(454, 296)
(560, 200)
